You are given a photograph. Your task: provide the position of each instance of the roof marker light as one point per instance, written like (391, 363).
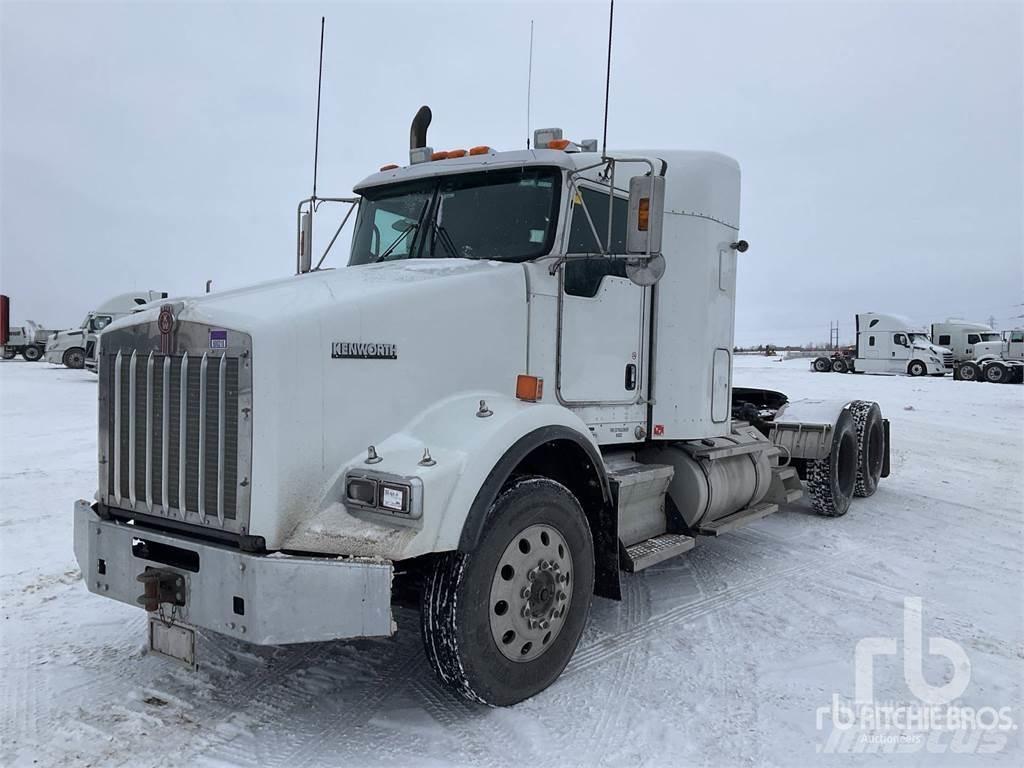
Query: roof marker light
(558, 144)
(439, 156)
(456, 153)
(389, 167)
(481, 150)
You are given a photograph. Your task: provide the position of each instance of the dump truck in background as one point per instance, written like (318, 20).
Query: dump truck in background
(518, 388)
(28, 340)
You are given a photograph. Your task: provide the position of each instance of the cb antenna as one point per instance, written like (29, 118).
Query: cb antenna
(607, 79)
(319, 81)
(529, 86)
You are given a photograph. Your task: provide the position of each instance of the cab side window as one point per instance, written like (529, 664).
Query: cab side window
(973, 338)
(944, 340)
(1017, 337)
(583, 276)
(899, 338)
(871, 341)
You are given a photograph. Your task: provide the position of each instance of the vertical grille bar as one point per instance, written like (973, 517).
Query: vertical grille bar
(149, 432)
(132, 368)
(165, 432)
(117, 428)
(182, 436)
(202, 433)
(221, 394)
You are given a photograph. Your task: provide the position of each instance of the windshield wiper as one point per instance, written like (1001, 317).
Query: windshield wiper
(440, 233)
(398, 241)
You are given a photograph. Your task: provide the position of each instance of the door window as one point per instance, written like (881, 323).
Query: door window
(900, 339)
(973, 338)
(944, 340)
(583, 276)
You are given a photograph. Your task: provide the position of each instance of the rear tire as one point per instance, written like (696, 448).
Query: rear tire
(970, 372)
(839, 365)
(822, 365)
(74, 358)
(996, 373)
(32, 353)
(832, 480)
(917, 368)
(867, 421)
(481, 624)
(9, 353)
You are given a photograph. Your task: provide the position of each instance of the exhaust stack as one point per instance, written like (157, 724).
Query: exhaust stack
(419, 152)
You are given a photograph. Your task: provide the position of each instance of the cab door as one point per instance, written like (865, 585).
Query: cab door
(900, 347)
(603, 316)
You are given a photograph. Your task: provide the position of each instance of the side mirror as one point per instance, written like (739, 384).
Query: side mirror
(646, 215)
(305, 242)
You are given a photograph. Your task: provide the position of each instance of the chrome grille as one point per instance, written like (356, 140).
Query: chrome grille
(947, 359)
(176, 429)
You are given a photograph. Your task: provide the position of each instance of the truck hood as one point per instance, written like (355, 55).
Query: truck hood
(344, 359)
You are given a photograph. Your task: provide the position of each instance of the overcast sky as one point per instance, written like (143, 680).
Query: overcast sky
(161, 145)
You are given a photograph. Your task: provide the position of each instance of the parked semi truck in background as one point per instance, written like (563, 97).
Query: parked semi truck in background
(981, 353)
(890, 344)
(73, 347)
(520, 385)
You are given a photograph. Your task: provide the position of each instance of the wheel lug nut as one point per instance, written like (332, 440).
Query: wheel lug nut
(544, 624)
(561, 595)
(531, 575)
(525, 594)
(526, 611)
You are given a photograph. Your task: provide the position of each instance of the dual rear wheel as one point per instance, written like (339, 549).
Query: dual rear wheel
(854, 465)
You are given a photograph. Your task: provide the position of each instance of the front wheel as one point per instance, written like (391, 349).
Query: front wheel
(75, 358)
(32, 353)
(500, 623)
(917, 368)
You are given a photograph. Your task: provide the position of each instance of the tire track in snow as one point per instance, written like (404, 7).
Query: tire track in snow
(605, 648)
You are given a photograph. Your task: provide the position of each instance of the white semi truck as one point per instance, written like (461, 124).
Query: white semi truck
(890, 344)
(981, 353)
(74, 347)
(505, 399)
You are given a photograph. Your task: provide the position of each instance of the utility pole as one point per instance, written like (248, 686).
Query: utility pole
(833, 334)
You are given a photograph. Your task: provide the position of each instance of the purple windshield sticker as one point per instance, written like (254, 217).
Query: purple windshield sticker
(218, 339)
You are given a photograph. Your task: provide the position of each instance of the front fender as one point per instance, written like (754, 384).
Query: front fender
(465, 447)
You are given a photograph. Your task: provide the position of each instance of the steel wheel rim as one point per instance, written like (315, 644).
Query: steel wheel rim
(530, 593)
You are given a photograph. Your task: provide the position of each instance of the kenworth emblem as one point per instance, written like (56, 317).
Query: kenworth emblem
(165, 322)
(369, 350)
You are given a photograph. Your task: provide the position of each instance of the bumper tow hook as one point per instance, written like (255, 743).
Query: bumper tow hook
(160, 586)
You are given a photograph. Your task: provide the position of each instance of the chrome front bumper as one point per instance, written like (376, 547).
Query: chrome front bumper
(283, 598)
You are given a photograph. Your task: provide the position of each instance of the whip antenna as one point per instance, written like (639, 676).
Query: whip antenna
(319, 81)
(529, 86)
(607, 79)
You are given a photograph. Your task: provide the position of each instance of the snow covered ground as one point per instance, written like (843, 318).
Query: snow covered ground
(720, 657)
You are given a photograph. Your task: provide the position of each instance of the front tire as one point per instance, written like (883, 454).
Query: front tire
(500, 623)
(74, 358)
(917, 368)
(32, 353)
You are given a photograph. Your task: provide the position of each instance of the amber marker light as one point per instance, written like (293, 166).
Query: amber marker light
(529, 388)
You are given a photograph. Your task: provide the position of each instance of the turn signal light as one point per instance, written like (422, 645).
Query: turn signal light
(456, 153)
(558, 144)
(389, 167)
(643, 214)
(529, 388)
(481, 150)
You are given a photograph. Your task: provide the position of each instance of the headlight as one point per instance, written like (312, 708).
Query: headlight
(385, 494)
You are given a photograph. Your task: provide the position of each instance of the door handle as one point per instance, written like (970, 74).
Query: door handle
(631, 377)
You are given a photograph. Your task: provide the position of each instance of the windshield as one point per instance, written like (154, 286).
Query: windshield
(990, 337)
(507, 215)
(920, 339)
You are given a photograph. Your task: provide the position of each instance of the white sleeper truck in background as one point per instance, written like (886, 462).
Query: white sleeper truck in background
(891, 344)
(981, 353)
(519, 387)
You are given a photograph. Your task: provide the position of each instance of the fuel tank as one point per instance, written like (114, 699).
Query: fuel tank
(717, 476)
